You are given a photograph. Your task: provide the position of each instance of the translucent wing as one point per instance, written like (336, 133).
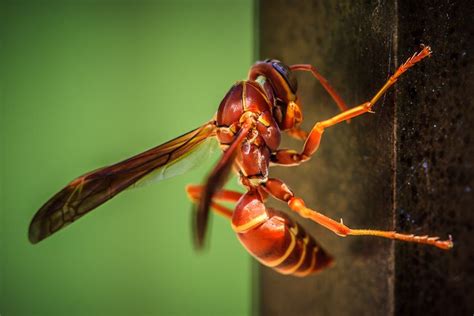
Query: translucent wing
(183, 164)
(85, 193)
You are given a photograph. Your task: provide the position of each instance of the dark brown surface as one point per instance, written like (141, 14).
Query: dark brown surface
(435, 170)
(408, 166)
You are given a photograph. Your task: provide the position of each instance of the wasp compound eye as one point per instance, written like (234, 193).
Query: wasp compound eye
(286, 73)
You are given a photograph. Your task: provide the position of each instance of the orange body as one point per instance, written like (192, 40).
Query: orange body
(269, 235)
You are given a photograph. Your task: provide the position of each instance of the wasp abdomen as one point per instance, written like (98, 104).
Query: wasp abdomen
(275, 240)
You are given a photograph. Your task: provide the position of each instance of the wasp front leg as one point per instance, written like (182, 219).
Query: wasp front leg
(296, 132)
(311, 145)
(280, 190)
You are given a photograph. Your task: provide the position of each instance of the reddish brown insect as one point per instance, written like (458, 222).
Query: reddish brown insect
(248, 127)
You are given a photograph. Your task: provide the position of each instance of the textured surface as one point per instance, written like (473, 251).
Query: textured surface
(408, 166)
(350, 176)
(436, 160)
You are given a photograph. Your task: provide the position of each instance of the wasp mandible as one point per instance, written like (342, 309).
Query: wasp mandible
(248, 127)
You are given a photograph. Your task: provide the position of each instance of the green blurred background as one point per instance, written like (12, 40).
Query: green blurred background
(86, 84)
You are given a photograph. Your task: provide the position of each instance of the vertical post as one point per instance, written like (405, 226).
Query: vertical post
(387, 170)
(351, 175)
(435, 171)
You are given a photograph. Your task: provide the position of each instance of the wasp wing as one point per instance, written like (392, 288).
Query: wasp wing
(215, 181)
(90, 190)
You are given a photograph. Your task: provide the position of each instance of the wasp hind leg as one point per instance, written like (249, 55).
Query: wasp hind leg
(194, 194)
(280, 191)
(297, 205)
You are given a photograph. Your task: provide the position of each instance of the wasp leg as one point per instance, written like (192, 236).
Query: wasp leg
(194, 194)
(297, 133)
(280, 190)
(334, 95)
(297, 205)
(311, 145)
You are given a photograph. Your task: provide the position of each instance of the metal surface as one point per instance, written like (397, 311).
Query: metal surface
(409, 166)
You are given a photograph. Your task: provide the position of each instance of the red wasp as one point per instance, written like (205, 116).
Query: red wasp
(248, 127)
